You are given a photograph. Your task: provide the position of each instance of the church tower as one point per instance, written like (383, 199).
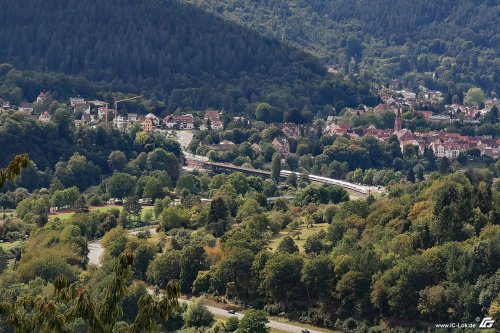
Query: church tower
(398, 121)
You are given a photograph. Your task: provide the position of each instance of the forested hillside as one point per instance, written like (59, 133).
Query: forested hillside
(447, 45)
(167, 50)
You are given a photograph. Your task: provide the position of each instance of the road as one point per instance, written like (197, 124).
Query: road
(191, 156)
(184, 138)
(272, 323)
(96, 250)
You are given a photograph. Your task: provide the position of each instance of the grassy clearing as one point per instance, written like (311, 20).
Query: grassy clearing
(10, 245)
(304, 234)
(66, 215)
(154, 239)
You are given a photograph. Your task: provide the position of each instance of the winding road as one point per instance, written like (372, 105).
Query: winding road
(272, 323)
(96, 250)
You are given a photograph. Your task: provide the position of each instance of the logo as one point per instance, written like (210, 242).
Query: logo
(487, 322)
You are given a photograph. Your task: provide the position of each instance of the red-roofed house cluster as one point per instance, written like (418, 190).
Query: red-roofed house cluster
(442, 143)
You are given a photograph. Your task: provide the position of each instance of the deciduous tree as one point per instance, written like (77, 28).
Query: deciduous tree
(14, 168)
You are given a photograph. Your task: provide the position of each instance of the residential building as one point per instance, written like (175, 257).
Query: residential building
(281, 145)
(337, 129)
(120, 123)
(438, 118)
(256, 148)
(449, 150)
(41, 98)
(182, 121)
(76, 101)
(155, 120)
(132, 117)
(101, 111)
(291, 130)
(26, 107)
(211, 115)
(224, 145)
(44, 117)
(217, 125)
(83, 108)
(212, 118)
(384, 107)
(87, 118)
(148, 124)
(426, 114)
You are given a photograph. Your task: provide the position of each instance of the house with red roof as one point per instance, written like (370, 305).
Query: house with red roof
(183, 122)
(44, 117)
(426, 114)
(41, 98)
(384, 107)
(337, 129)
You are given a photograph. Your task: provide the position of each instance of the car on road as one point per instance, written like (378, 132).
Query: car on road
(305, 330)
(231, 311)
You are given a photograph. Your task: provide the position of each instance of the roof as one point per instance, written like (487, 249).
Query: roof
(426, 114)
(212, 114)
(26, 105)
(150, 115)
(217, 123)
(76, 101)
(280, 140)
(180, 119)
(82, 106)
(384, 107)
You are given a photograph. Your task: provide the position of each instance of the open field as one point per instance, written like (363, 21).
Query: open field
(10, 245)
(68, 214)
(154, 239)
(304, 234)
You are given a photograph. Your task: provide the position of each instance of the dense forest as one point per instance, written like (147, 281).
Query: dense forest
(421, 251)
(168, 51)
(447, 45)
(425, 252)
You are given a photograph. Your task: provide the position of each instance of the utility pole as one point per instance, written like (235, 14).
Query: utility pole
(115, 107)
(122, 100)
(106, 115)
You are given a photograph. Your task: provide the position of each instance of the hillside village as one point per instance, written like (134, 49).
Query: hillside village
(402, 103)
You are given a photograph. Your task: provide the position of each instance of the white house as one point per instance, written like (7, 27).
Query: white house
(120, 123)
(26, 107)
(76, 101)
